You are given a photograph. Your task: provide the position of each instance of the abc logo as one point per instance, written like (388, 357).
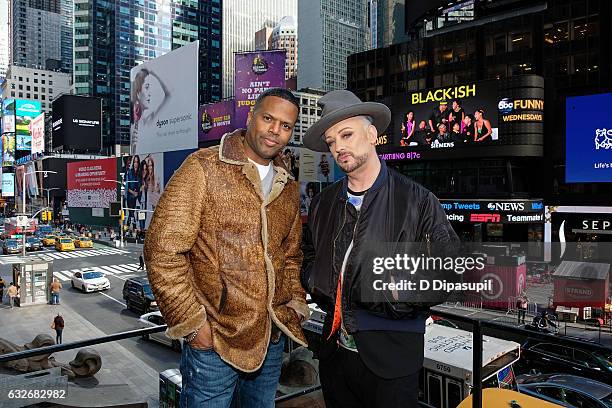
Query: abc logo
(505, 106)
(491, 206)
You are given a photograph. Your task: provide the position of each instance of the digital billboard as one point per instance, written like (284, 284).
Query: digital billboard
(477, 119)
(164, 102)
(8, 184)
(77, 123)
(37, 130)
(8, 149)
(215, 120)
(588, 139)
(8, 116)
(256, 72)
(33, 180)
(90, 183)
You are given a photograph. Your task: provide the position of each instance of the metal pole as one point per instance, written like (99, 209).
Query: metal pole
(121, 214)
(477, 366)
(23, 208)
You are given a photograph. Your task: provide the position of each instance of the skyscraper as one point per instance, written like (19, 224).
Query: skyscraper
(329, 31)
(241, 20)
(66, 9)
(387, 22)
(284, 36)
(111, 38)
(34, 27)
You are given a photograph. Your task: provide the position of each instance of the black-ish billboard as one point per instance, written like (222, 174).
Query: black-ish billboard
(480, 119)
(77, 123)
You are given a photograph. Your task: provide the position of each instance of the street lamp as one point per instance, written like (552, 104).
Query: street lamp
(122, 183)
(23, 204)
(48, 190)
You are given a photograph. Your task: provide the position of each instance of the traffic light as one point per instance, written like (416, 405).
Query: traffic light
(43, 216)
(122, 216)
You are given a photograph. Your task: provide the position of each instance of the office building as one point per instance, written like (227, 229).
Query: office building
(36, 84)
(241, 20)
(284, 36)
(387, 19)
(329, 31)
(310, 112)
(262, 39)
(539, 53)
(110, 39)
(35, 33)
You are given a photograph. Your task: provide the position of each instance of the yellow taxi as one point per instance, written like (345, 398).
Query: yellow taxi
(83, 242)
(497, 397)
(49, 240)
(64, 244)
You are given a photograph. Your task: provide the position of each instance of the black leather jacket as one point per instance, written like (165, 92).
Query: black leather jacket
(394, 209)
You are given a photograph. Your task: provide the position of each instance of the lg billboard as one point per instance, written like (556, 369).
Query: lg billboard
(77, 123)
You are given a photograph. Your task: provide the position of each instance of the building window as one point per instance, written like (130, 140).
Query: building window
(519, 41)
(43, 81)
(21, 94)
(35, 80)
(28, 96)
(12, 93)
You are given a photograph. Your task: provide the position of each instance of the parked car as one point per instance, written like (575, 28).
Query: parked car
(64, 244)
(138, 295)
(90, 281)
(33, 244)
(83, 242)
(11, 246)
(154, 319)
(567, 390)
(549, 356)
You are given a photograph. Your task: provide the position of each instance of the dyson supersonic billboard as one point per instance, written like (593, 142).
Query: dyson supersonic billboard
(255, 73)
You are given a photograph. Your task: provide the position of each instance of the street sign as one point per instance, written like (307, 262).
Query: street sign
(22, 221)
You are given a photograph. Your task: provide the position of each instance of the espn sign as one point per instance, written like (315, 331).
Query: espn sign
(485, 218)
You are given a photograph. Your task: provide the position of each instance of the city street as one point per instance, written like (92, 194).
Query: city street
(105, 310)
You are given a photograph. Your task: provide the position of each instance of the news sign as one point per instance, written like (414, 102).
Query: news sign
(588, 141)
(509, 211)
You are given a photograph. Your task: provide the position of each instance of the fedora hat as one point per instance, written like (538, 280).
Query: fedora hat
(340, 105)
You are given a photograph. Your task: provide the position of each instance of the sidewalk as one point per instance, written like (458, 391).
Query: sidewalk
(134, 381)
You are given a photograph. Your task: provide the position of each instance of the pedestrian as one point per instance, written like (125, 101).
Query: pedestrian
(56, 286)
(58, 326)
(521, 306)
(223, 259)
(2, 286)
(141, 260)
(12, 294)
(367, 359)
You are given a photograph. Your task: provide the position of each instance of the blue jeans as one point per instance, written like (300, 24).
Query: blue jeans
(55, 298)
(210, 382)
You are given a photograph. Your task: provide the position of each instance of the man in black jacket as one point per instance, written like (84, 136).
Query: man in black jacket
(372, 353)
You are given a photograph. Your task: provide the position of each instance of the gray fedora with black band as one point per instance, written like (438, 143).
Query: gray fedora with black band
(340, 105)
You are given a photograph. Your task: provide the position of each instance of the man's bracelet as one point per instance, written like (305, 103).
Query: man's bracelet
(191, 336)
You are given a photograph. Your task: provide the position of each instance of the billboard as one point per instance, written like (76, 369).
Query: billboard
(164, 102)
(476, 119)
(144, 184)
(37, 130)
(256, 72)
(588, 139)
(8, 149)
(8, 116)
(77, 123)
(8, 184)
(87, 185)
(215, 120)
(33, 180)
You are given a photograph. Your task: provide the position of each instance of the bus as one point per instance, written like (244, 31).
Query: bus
(447, 378)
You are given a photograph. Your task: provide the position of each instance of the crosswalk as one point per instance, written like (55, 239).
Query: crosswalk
(51, 256)
(121, 271)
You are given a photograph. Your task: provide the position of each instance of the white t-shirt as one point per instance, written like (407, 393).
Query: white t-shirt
(262, 169)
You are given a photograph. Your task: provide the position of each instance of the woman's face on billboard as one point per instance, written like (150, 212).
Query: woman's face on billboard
(151, 94)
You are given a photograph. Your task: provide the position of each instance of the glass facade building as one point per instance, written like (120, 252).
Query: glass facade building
(111, 37)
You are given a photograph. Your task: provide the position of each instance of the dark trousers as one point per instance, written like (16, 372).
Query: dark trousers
(58, 336)
(521, 313)
(348, 383)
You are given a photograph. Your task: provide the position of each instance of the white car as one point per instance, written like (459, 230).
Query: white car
(154, 319)
(90, 281)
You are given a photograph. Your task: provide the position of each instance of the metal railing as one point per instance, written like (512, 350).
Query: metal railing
(477, 330)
